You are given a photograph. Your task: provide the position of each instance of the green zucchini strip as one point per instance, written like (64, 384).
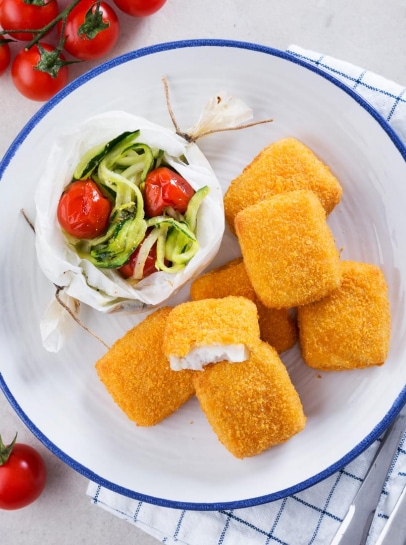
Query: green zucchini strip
(194, 205)
(179, 249)
(91, 159)
(133, 170)
(161, 221)
(126, 191)
(148, 161)
(160, 254)
(180, 242)
(124, 234)
(130, 158)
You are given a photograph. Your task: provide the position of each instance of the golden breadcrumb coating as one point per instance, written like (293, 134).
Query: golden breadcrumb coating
(230, 279)
(277, 327)
(252, 405)
(285, 165)
(137, 374)
(288, 249)
(231, 320)
(350, 328)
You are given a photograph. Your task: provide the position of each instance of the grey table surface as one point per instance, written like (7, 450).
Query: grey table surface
(369, 34)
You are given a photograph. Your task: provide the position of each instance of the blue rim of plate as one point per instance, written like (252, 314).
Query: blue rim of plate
(41, 113)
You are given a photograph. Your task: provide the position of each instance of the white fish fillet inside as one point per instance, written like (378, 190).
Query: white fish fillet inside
(200, 356)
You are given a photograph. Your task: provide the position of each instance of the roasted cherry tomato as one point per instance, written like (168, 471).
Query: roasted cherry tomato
(139, 8)
(127, 270)
(80, 44)
(17, 15)
(22, 475)
(32, 83)
(83, 211)
(4, 57)
(164, 187)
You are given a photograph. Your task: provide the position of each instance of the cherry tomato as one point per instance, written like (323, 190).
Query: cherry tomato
(22, 476)
(32, 83)
(127, 270)
(164, 187)
(139, 8)
(83, 211)
(4, 57)
(17, 15)
(82, 47)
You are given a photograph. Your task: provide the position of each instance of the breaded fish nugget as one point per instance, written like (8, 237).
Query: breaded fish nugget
(229, 279)
(210, 330)
(350, 328)
(277, 327)
(285, 165)
(288, 249)
(137, 375)
(253, 405)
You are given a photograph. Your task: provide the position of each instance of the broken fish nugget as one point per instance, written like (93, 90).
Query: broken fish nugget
(201, 332)
(350, 328)
(285, 165)
(253, 405)
(288, 249)
(137, 374)
(277, 327)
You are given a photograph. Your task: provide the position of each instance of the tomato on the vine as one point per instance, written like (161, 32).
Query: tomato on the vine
(94, 38)
(139, 8)
(4, 57)
(18, 15)
(163, 188)
(83, 211)
(22, 475)
(32, 83)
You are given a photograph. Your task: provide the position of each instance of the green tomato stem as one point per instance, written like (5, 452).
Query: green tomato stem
(27, 31)
(6, 451)
(62, 39)
(93, 22)
(63, 15)
(40, 32)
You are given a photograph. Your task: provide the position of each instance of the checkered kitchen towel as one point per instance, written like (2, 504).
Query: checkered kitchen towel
(314, 515)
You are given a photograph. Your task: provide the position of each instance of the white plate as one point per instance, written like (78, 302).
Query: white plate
(179, 462)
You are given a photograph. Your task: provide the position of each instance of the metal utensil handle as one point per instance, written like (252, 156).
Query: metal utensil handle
(394, 531)
(355, 526)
